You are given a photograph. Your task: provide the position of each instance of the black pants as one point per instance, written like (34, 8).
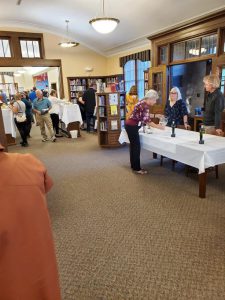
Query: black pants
(89, 117)
(29, 123)
(55, 122)
(135, 147)
(22, 128)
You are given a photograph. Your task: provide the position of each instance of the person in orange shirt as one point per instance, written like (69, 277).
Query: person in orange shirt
(131, 101)
(28, 269)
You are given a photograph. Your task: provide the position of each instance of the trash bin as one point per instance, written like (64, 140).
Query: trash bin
(73, 134)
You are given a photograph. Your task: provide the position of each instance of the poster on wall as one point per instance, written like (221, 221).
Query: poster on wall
(41, 81)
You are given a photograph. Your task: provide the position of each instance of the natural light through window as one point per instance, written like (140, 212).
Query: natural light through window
(4, 48)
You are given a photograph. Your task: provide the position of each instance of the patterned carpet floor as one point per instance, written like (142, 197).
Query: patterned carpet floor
(119, 235)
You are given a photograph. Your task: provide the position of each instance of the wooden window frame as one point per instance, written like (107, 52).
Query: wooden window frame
(32, 40)
(7, 38)
(198, 57)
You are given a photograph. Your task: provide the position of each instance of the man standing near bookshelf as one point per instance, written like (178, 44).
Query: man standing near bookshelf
(89, 105)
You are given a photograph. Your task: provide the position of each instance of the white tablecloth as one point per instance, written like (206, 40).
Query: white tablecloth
(8, 120)
(184, 147)
(69, 113)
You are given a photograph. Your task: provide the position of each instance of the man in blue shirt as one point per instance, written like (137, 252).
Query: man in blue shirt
(32, 94)
(41, 107)
(3, 96)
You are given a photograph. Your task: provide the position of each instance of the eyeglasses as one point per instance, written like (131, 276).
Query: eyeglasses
(173, 93)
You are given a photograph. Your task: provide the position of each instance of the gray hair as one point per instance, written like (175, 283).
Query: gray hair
(151, 94)
(176, 90)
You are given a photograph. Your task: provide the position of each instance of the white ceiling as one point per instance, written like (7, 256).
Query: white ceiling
(138, 19)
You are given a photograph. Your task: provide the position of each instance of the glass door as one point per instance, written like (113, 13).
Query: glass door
(158, 82)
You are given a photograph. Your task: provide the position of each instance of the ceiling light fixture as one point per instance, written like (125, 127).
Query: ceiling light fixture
(104, 24)
(68, 44)
(16, 74)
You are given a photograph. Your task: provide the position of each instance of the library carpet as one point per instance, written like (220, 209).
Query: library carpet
(124, 236)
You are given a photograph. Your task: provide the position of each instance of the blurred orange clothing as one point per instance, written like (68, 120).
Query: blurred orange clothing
(131, 101)
(28, 269)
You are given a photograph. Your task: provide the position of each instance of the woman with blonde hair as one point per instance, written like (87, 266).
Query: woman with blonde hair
(176, 109)
(19, 110)
(131, 101)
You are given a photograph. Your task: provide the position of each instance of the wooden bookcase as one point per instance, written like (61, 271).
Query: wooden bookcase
(80, 84)
(111, 112)
(146, 81)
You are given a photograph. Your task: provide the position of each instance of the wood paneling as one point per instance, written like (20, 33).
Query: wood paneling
(204, 26)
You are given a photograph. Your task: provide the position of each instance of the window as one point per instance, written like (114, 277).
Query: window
(141, 67)
(30, 48)
(134, 75)
(5, 48)
(179, 51)
(163, 56)
(129, 74)
(191, 48)
(209, 44)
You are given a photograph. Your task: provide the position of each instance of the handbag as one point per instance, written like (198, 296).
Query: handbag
(20, 116)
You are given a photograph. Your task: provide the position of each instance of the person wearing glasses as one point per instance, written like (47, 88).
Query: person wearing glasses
(213, 105)
(176, 109)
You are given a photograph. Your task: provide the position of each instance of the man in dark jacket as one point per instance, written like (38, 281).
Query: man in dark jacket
(89, 105)
(213, 104)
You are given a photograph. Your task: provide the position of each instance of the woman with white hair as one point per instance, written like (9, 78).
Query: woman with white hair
(140, 116)
(176, 109)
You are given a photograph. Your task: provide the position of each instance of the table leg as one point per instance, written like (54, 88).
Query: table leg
(195, 122)
(202, 185)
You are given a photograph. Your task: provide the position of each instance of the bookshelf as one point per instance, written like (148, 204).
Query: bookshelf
(146, 81)
(80, 84)
(111, 112)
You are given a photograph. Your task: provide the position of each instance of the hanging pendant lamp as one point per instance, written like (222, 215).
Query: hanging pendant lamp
(104, 24)
(68, 44)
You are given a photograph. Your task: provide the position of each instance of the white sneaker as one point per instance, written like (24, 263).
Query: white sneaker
(44, 140)
(53, 139)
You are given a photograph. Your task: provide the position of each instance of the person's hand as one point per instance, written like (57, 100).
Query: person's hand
(219, 131)
(162, 127)
(39, 112)
(186, 126)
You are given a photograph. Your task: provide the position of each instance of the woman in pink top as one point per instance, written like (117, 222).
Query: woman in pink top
(28, 269)
(139, 117)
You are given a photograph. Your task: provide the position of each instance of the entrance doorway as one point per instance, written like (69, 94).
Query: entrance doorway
(19, 79)
(188, 78)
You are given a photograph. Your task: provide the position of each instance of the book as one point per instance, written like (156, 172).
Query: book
(113, 110)
(113, 99)
(114, 125)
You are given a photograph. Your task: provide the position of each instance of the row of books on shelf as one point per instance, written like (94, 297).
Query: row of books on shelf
(114, 125)
(78, 81)
(113, 99)
(113, 111)
(146, 76)
(77, 88)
